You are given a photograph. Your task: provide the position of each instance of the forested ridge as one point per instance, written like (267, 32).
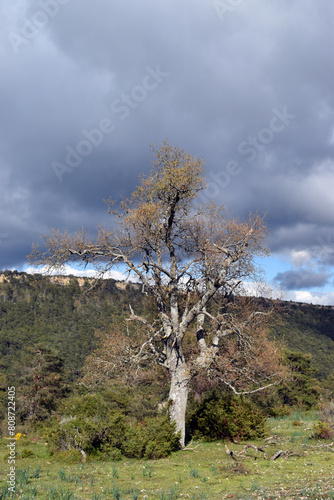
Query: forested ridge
(63, 313)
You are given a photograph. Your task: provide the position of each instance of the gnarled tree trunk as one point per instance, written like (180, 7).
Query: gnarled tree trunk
(178, 396)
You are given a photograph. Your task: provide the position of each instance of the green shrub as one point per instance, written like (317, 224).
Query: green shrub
(26, 453)
(134, 442)
(91, 405)
(226, 417)
(87, 424)
(162, 438)
(69, 456)
(152, 439)
(108, 452)
(89, 434)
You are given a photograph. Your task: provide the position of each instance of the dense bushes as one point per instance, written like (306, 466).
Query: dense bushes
(152, 438)
(226, 417)
(89, 425)
(113, 424)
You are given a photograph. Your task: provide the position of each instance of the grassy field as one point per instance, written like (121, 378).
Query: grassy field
(203, 471)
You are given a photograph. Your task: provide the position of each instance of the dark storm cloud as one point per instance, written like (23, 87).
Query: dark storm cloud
(301, 279)
(83, 71)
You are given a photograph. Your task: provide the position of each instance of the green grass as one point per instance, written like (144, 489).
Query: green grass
(203, 472)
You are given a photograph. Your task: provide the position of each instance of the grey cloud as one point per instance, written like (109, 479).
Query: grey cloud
(301, 279)
(225, 79)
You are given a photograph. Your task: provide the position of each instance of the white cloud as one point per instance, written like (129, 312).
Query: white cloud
(67, 270)
(325, 299)
(300, 257)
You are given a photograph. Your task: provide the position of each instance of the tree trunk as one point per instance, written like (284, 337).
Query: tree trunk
(178, 396)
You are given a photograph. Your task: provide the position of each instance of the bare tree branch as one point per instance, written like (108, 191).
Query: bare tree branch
(241, 393)
(192, 260)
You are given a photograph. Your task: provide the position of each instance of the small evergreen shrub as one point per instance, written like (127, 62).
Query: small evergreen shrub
(87, 424)
(108, 452)
(152, 439)
(226, 417)
(89, 434)
(27, 453)
(69, 456)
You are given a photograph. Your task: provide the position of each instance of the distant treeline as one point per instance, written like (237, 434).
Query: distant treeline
(63, 315)
(36, 310)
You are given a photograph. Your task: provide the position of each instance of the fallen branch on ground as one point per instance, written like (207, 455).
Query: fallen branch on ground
(328, 446)
(256, 448)
(274, 439)
(230, 453)
(188, 447)
(242, 453)
(285, 453)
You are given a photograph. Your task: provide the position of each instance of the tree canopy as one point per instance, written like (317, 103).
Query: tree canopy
(193, 261)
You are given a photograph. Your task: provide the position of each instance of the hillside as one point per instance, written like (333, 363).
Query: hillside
(310, 329)
(62, 313)
(58, 312)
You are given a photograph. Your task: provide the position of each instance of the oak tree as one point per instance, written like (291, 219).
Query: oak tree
(193, 260)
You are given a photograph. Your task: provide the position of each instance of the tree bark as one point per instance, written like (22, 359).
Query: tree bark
(178, 396)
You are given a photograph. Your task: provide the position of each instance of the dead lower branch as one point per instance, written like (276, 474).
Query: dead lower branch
(242, 454)
(327, 446)
(286, 453)
(274, 439)
(256, 448)
(231, 453)
(188, 447)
